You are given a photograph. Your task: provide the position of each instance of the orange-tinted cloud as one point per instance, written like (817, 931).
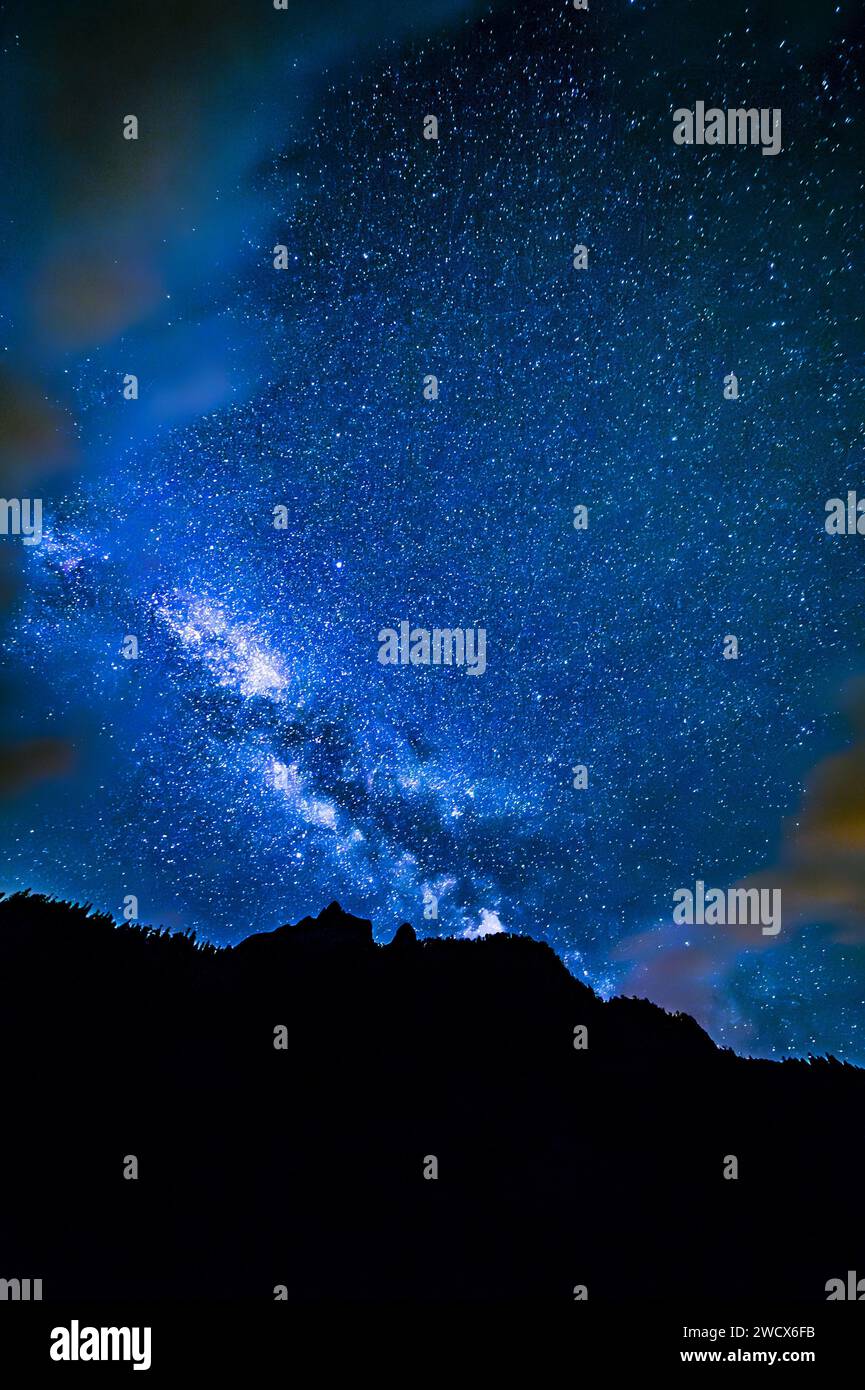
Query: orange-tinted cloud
(821, 875)
(22, 764)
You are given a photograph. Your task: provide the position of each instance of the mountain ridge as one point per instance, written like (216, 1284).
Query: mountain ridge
(283, 1099)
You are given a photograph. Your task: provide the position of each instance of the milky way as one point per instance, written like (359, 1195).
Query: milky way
(256, 761)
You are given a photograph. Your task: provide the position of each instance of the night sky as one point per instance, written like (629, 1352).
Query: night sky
(303, 388)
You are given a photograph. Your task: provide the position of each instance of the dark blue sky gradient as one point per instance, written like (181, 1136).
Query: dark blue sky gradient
(303, 388)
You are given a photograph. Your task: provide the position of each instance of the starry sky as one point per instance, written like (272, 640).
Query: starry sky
(256, 761)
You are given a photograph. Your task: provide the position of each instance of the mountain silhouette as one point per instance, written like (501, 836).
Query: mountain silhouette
(284, 1099)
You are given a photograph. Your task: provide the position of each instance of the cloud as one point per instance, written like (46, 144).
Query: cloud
(821, 875)
(822, 868)
(22, 764)
(35, 442)
(489, 926)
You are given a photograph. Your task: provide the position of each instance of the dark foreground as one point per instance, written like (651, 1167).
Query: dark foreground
(302, 1168)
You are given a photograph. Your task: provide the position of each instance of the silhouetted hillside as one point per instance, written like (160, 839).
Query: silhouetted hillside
(303, 1165)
